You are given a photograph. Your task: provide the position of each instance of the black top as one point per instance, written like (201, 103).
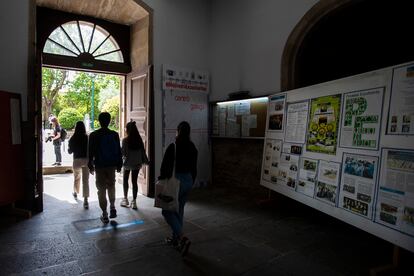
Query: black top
(57, 130)
(79, 146)
(104, 149)
(186, 161)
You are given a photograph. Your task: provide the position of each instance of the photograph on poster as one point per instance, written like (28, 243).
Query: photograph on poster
(395, 200)
(307, 176)
(327, 181)
(288, 169)
(273, 149)
(322, 133)
(401, 110)
(292, 148)
(276, 112)
(361, 119)
(358, 183)
(296, 122)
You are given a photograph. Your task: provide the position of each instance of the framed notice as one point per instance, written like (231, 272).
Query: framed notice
(271, 160)
(401, 111)
(395, 200)
(328, 182)
(322, 132)
(296, 122)
(361, 119)
(276, 113)
(359, 176)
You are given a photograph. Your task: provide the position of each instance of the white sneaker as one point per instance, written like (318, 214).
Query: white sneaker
(134, 204)
(124, 202)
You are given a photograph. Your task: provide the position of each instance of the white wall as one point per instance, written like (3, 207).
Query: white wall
(180, 33)
(14, 32)
(248, 38)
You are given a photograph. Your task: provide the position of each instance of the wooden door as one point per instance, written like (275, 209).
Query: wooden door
(137, 107)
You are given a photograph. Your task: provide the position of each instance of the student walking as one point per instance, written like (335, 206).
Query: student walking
(104, 159)
(133, 155)
(184, 154)
(78, 145)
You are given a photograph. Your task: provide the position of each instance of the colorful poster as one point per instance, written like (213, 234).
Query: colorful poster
(361, 119)
(323, 124)
(273, 149)
(296, 122)
(328, 181)
(307, 176)
(395, 203)
(276, 112)
(401, 112)
(359, 176)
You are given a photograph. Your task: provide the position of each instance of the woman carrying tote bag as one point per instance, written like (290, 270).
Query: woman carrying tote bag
(181, 155)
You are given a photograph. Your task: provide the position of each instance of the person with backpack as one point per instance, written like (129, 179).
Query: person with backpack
(133, 155)
(105, 158)
(56, 140)
(78, 145)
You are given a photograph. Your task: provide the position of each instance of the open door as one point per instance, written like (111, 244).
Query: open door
(137, 107)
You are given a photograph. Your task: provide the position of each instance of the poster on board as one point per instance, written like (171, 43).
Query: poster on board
(328, 181)
(296, 122)
(272, 152)
(308, 169)
(361, 119)
(395, 200)
(288, 170)
(359, 176)
(401, 110)
(322, 132)
(276, 112)
(184, 79)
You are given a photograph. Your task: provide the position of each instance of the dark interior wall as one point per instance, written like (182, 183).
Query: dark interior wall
(359, 37)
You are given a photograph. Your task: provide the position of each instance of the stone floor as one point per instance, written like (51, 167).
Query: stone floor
(233, 232)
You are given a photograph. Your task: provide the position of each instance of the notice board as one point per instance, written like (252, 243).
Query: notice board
(346, 148)
(239, 119)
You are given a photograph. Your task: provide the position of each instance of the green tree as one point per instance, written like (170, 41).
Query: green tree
(112, 107)
(68, 117)
(53, 80)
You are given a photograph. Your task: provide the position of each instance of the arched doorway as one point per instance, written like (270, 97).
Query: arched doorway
(336, 39)
(131, 27)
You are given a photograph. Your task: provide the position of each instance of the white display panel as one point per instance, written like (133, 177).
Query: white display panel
(333, 146)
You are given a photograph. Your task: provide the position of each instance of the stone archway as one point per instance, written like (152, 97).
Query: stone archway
(336, 39)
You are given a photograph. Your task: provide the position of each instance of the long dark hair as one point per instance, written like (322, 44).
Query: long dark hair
(79, 135)
(183, 130)
(133, 138)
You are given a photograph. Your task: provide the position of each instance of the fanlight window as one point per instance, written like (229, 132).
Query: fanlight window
(80, 38)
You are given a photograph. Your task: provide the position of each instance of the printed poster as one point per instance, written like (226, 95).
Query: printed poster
(184, 79)
(361, 119)
(328, 181)
(323, 124)
(395, 203)
(276, 112)
(273, 149)
(288, 170)
(359, 176)
(296, 122)
(401, 113)
(307, 176)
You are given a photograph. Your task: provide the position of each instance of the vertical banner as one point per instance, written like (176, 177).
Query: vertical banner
(184, 100)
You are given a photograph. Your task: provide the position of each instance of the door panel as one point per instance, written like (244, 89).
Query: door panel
(137, 106)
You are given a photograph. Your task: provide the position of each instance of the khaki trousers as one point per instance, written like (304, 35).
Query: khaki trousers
(105, 181)
(80, 167)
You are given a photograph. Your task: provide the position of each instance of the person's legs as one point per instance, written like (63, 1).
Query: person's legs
(173, 220)
(85, 181)
(126, 184)
(76, 177)
(134, 177)
(186, 183)
(58, 153)
(101, 186)
(110, 182)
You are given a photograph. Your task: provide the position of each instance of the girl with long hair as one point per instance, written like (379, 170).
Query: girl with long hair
(182, 154)
(133, 151)
(78, 145)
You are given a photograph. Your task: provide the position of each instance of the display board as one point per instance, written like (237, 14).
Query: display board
(240, 119)
(346, 148)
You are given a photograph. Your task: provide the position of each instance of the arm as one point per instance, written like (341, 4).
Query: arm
(167, 163)
(91, 152)
(70, 147)
(124, 149)
(118, 143)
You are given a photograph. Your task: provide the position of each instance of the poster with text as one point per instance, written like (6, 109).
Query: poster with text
(184, 79)
(395, 203)
(401, 111)
(276, 112)
(359, 176)
(322, 132)
(328, 181)
(361, 119)
(296, 122)
(273, 149)
(308, 170)
(288, 170)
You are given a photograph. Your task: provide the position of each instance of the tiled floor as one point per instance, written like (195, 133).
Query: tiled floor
(231, 235)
